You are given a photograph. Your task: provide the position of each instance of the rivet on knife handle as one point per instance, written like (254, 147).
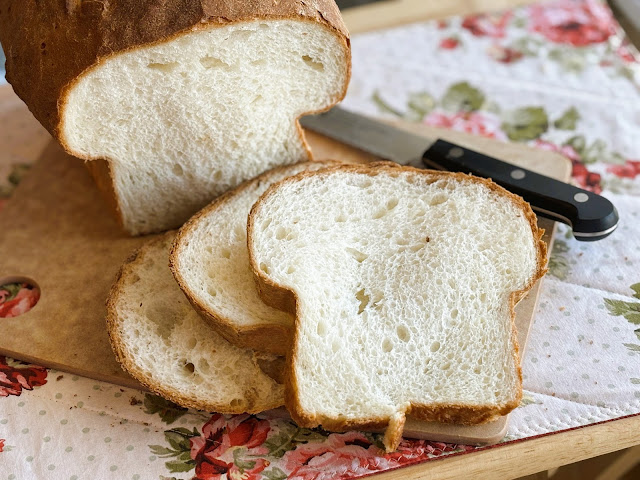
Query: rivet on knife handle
(591, 216)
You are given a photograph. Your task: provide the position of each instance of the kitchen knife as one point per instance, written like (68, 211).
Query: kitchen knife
(591, 216)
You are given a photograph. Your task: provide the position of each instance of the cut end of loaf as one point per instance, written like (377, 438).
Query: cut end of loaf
(405, 282)
(185, 120)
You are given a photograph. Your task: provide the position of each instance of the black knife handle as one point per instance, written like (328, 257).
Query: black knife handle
(591, 216)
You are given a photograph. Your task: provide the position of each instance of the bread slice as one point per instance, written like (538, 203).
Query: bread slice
(183, 98)
(403, 283)
(210, 262)
(162, 342)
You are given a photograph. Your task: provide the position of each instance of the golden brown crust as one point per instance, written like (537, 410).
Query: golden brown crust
(448, 413)
(254, 405)
(50, 43)
(263, 337)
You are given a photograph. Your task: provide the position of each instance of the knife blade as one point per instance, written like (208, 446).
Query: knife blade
(591, 216)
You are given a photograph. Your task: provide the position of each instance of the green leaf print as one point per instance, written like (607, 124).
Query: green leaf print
(169, 412)
(290, 436)
(175, 466)
(635, 381)
(419, 104)
(628, 310)
(383, 106)
(633, 347)
(279, 444)
(12, 289)
(241, 463)
(568, 120)
(527, 123)
(178, 440)
(462, 97)
(636, 289)
(274, 474)
(558, 262)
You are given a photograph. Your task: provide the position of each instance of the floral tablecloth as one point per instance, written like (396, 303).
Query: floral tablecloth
(559, 76)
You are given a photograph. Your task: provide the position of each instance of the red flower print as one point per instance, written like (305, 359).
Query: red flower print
(1, 444)
(412, 450)
(341, 455)
(574, 22)
(504, 54)
(487, 25)
(631, 169)
(582, 176)
(469, 122)
(218, 436)
(14, 379)
(21, 303)
(449, 43)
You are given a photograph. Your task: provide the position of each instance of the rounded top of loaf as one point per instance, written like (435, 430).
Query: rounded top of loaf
(49, 43)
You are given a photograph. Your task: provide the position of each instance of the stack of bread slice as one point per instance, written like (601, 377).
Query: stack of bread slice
(389, 290)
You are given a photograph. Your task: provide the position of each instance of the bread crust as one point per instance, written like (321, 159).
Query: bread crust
(440, 412)
(51, 44)
(254, 404)
(263, 337)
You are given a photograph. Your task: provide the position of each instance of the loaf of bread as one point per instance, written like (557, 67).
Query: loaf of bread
(403, 283)
(162, 342)
(173, 102)
(210, 262)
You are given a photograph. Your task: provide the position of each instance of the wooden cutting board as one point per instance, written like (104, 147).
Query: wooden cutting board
(58, 233)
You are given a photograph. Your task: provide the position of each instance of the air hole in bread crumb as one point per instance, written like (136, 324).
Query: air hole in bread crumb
(260, 61)
(363, 298)
(203, 365)
(403, 333)
(446, 366)
(164, 67)
(193, 341)
(391, 204)
(341, 218)
(256, 100)
(225, 252)
(189, 367)
(438, 199)
(265, 268)
(177, 170)
(211, 291)
(335, 346)
(387, 345)
(357, 254)
(281, 232)
(310, 62)
(237, 402)
(380, 213)
(435, 346)
(217, 176)
(454, 313)
(213, 62)
(290, 270)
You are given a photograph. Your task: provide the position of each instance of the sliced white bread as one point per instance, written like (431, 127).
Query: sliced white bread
(162, 342)
(210, 262)
(403, 283)
(183, 98)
